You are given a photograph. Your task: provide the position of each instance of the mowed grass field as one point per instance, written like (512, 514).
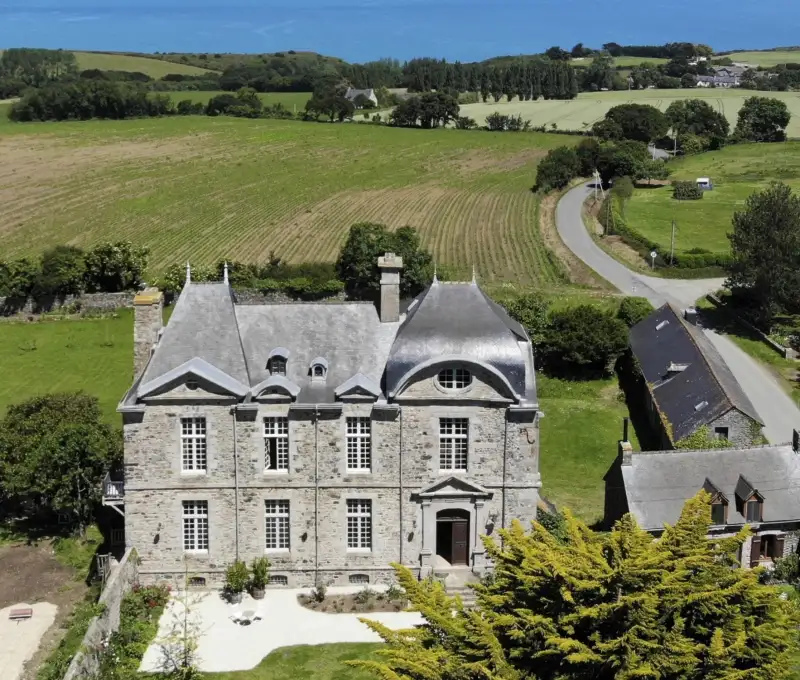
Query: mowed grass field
(589, 107)
(202, 188)
(767, 58)
(294, 101)
(736, 171)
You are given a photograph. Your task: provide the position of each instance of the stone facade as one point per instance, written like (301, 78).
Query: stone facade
(501, 482)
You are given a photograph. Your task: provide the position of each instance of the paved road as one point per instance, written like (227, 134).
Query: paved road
(778, 412)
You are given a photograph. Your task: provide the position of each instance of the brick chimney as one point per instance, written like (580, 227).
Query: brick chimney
(148, 307)
(390, 266)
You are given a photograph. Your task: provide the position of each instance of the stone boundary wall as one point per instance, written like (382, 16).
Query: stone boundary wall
(123, 575)
(18, 307)
(15, 308)
(785, 352)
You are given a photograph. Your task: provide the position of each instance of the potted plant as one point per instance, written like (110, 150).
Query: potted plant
(259, 577)
(236, 578)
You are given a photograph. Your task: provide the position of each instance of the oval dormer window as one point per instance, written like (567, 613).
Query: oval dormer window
(192, 384)
(318, 369)
(454, 378)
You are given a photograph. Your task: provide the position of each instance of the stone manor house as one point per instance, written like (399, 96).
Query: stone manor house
(334, 438)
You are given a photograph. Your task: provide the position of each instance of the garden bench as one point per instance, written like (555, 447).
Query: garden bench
(20, 614)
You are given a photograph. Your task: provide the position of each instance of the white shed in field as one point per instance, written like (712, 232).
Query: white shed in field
(704, 183)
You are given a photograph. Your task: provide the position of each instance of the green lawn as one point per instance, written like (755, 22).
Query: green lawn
(579, 435)
(294, 101)
(94, 355)
(736, 171)
(320, 662)
(155, 68)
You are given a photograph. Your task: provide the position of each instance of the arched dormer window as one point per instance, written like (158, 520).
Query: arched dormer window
(276, 364)
(318, 369)
(454, 379)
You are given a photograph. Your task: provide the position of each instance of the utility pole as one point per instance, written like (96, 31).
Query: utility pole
(672, 245)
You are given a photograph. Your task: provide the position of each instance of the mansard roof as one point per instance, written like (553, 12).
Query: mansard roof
(458, 321)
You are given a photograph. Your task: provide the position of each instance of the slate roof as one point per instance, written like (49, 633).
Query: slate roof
(349, 336)
(719, 80)
(230, 345)
(352, 93)
(202, 325)
(459, 320)
(701, 393)
(657, 484)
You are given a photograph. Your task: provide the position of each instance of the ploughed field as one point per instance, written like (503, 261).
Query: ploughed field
(736, 171)
(589, 107)
(199, 189)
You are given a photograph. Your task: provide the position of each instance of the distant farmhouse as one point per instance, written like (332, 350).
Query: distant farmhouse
(724, 76)
(687, 385)
(352, 94)
(758, 486)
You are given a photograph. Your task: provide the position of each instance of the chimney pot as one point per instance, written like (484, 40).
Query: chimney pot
(390, 266)
(625, 452)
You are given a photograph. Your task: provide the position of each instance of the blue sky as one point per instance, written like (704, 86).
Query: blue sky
(359, 30)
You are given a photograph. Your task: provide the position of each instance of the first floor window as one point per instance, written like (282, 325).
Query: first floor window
(721, 433)
(718, 512)
(359, 524)
(277, 524)
(453, 443)
(358, 444)
(753, 511)
(276, 443)
(193, 445)
(195, 526)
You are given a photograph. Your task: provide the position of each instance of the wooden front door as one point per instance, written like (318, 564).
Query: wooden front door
(452, 536)
(460, 542)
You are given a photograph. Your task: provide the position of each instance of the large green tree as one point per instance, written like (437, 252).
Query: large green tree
(625, 158)
(357, 264)
(557, 169)
(592, 606)
(54, 452)
(532, 311)
(765, 242)
(696, 117)
(762, 119)
(640, 122)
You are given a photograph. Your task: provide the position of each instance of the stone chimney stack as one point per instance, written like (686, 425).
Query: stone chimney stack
(148, 307)
(390, 266)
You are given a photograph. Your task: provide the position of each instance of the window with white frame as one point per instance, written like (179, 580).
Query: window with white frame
(195, 526)
(277, 524)
(276, 444)
(455, 378)
(359, 524)
(194, 456)
(453, 443)
(277, 365)
(359, 444)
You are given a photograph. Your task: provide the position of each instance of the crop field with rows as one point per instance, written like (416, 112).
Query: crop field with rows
(200, 189)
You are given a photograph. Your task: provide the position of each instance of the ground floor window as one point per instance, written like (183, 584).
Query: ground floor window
(359, 524)
(195, 526)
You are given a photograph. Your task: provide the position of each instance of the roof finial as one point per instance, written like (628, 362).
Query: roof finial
(435, 277)
(188, 272)
(474, 280)
(225, 273)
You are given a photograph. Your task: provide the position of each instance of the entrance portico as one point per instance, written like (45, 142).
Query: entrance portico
(453, 518)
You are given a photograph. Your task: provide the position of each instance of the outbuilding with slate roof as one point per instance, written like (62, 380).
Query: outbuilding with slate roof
(687, 385)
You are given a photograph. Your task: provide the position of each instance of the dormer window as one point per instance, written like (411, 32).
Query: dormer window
(277, 366)
(318, 369)
(276, 363)
(719, 503)
(753, 510)
(192, 385)
(454, 378)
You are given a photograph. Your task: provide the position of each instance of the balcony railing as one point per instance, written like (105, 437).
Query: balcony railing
(113, 489)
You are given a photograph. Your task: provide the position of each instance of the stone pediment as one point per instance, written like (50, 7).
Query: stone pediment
(359, 386)
(197, 370)
(454, 487)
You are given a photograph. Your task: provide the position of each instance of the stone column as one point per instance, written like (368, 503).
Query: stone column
(428, 539)
(148, 308)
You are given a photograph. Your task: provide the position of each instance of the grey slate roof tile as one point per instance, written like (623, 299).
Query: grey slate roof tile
(657, 484)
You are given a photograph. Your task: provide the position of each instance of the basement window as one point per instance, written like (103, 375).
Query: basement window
(359, 579)
(279, 580)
